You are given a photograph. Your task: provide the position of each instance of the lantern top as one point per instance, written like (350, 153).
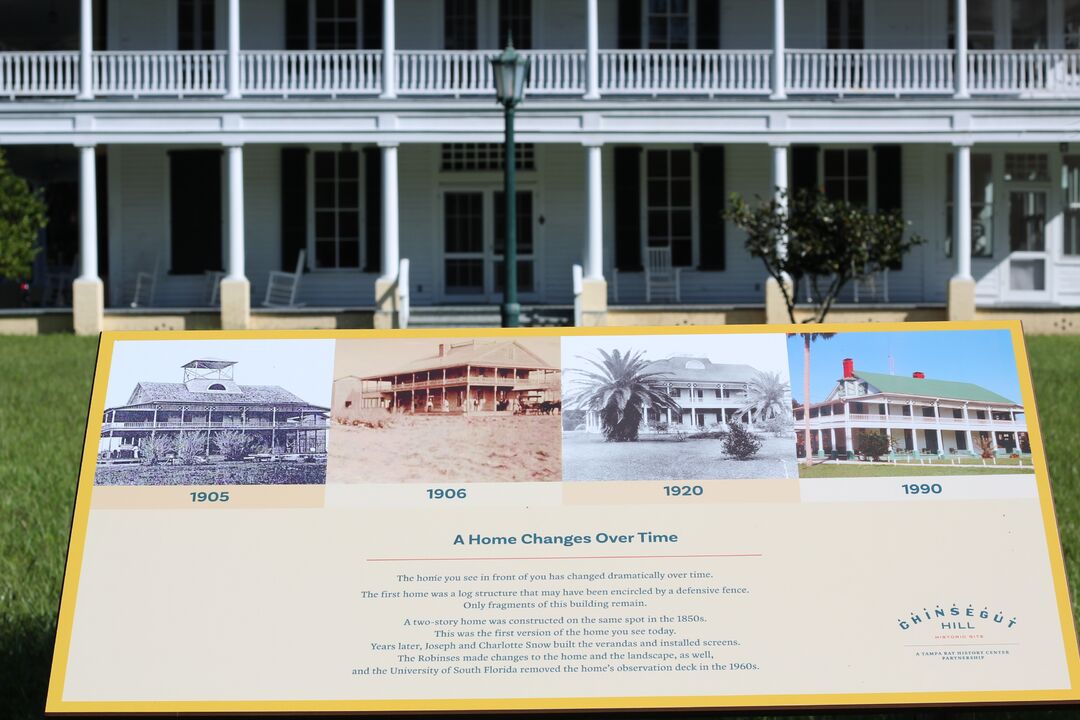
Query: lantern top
(511, 71)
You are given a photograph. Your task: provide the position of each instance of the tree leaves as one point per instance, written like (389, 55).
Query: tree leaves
(22, 217)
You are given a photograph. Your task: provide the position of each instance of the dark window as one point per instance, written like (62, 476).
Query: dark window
(195, 211)
(335, 25)
(459, 25)
(216, 386)
(668, 24)
(847, 176)
(669, 203)
(515, 21)
(337, 209)
(844, 24)
(195, 25)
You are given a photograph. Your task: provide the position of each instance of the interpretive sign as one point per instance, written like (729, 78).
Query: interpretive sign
(800, 516)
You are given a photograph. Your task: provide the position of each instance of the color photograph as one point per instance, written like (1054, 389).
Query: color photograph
(689, 407)
(908, 403)
(216, 412)
(446, 410)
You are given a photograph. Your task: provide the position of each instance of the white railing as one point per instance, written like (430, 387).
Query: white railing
(1024, 71)
(338, 72)
(39, 73)
(468, 72)
(403, 293)
(159, 73)
(685, 72)
(838, 72)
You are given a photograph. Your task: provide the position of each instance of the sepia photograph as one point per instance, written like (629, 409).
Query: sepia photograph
(446, 410)
(689, 407)
(216, 412)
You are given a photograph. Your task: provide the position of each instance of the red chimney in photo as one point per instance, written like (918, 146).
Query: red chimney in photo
(849, 368)
(918, 375)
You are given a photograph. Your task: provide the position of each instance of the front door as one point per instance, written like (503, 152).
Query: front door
(474, 242)
(1027, 268)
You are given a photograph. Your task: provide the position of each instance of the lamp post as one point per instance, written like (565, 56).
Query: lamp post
(510, 69)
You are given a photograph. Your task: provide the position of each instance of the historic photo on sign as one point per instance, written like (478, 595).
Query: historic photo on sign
(908, 403)
(446, 410)
(216, 412)
(678, 407)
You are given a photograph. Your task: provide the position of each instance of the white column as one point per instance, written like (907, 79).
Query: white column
(849, 446)
(390, 244)
(88, 239)
(778, 90)
(235, 167)
(592, 51)
(594, 256)
(389, 79)
(86, 49)
(832, 439)
(780, 180)
(233, 48)
(962, 212)
(961, 49)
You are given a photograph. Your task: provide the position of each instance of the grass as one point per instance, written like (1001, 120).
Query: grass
(904, 470)
(43, 399)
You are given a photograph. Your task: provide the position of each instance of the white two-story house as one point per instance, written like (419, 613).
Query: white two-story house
(191, 149)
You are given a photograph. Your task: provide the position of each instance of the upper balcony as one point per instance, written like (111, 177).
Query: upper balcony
(594, 49)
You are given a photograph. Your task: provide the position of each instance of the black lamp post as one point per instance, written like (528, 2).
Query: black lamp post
(511, 70)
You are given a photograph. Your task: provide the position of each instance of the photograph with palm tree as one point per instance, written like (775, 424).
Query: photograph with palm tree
(677, 407)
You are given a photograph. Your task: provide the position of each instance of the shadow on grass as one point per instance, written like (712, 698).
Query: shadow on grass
(25, 659)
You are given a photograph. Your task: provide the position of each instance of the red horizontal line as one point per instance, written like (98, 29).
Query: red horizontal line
(563, 557)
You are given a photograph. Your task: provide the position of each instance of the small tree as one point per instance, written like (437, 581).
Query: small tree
(874, 445)
(233, 444)
(152, 448)
(984, 445)
(22, 216)
(740, 443)
(808, 238)
(190, 445)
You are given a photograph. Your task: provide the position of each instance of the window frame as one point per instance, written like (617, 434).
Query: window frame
(313, 23)
(691, 27)
(311, 264)
(643, 179)
(871, 171)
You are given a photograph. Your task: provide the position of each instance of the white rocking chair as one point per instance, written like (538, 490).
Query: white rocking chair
(662, 280)
(281, 287)
(145, 287)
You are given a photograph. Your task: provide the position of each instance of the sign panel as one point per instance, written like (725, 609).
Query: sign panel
(744, 516)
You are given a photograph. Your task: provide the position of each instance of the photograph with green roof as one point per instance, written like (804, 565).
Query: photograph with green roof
(907, 404)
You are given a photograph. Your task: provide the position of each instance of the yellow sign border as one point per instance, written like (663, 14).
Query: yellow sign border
(55, 704)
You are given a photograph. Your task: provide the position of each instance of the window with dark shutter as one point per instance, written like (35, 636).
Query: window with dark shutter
(296, 25)
(293, 205)
(804, 173)
(711, 203)
(889, 177)
(195, 211)
(628, 208)
(373, 209)
(708, 24)
(629, 29)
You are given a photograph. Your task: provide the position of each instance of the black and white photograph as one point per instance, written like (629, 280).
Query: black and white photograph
(216, 412)
(677, 407)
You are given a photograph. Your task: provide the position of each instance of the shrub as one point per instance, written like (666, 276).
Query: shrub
(22, 216)
(152, 449)
(190, 445)
(740, 443)
(779, 426)
(233, 444)
(874, 445)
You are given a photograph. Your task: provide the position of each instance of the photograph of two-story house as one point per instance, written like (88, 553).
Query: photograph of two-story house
(272, 163)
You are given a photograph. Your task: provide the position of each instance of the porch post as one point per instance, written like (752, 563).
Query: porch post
(233, 91)
(389, 79)
(961, 31)
(235, 289)
(592, 51)
(594, 286)
(775, 306)
(87, 290)
(779, 91)
(86, 50)
(961, 294)
(386, 290)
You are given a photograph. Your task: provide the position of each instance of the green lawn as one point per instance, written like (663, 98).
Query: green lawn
(826, 470)
(43, 399)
